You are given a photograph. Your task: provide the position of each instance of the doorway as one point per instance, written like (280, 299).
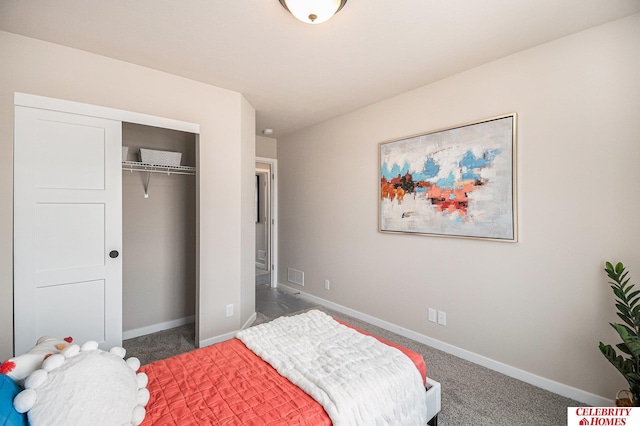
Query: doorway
(266, 221)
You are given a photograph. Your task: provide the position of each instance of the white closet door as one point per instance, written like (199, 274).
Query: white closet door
(67, 228)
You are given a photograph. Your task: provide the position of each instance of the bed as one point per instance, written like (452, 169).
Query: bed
(229, 384)
(307, 369)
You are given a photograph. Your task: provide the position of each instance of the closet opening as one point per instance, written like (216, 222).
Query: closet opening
(158, 233)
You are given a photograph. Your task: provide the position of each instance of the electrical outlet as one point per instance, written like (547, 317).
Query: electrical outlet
(432, 315)
(442, 318)
(327, 285)
(230, 310)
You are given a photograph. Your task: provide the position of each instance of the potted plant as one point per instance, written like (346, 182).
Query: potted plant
(628, 305)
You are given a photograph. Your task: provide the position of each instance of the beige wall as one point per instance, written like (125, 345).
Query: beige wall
(540, 305)
(266, 147)
(158, 233)
(225, 148)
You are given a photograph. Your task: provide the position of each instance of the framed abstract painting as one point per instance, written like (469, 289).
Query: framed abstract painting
(455, 182)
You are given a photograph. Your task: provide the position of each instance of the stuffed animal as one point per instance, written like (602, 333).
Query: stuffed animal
(19, 367)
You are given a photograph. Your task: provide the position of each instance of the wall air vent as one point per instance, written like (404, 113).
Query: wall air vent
(295, 276)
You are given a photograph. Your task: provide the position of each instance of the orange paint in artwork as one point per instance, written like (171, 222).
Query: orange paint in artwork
(387, 190)
(444, 199)
(434, 192)
(461, 195)
(468, 186)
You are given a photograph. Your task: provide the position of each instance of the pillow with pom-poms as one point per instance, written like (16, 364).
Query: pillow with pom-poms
(85, 386)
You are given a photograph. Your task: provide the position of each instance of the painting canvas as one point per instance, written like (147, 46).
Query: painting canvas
(457, 182)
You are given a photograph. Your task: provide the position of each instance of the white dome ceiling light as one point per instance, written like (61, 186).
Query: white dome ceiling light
(313, 11)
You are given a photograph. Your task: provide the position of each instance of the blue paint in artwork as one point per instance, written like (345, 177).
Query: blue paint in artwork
(470, 161)
(469, 165)
(431, 170)
(394, 172)
(471, 175)
(447, 182)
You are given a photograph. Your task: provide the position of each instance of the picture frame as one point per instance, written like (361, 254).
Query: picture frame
(457, 182)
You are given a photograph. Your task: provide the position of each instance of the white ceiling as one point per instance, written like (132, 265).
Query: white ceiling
(294, 74)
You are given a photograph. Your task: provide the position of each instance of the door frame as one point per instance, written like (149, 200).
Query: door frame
(72, 107)
(263, 196)
(273, 207)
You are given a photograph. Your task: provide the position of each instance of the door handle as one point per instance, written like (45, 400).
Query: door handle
(113, 254)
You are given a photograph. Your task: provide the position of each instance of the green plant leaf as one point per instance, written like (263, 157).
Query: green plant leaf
(627, 329)
(632, 341)
(626, 319)
(622, 308)
(623, 348)
(619, 268)
(622, 365)
(627, 303)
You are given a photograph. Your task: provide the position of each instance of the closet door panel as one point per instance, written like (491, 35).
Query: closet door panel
(80, 300)
(71, 156)
(63, 242)
(67, 228)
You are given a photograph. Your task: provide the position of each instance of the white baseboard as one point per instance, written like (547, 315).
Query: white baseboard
(541, 382)
(222, 337)
(154, 328)
(250, 321)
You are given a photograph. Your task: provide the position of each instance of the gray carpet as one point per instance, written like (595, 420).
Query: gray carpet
(161, 345)
(471, 394)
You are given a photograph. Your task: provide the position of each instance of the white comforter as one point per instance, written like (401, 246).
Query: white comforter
(357, 379)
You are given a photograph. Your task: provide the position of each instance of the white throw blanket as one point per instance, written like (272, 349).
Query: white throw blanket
(357, 379)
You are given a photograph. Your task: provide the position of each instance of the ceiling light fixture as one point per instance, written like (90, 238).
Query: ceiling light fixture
(313, 11)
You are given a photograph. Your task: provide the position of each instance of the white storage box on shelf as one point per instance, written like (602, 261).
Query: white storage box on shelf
(125, 151)
(161, 158)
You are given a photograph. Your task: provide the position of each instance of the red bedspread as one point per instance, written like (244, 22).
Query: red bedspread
(227, 384)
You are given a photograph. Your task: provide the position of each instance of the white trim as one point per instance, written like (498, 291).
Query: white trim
(250, 321)
(541, 382)
(227, 336)
(42, 102)
(217, 339)
(274, 217)
(154, 328)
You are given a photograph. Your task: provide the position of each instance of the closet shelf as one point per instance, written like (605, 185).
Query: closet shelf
(136, 166)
